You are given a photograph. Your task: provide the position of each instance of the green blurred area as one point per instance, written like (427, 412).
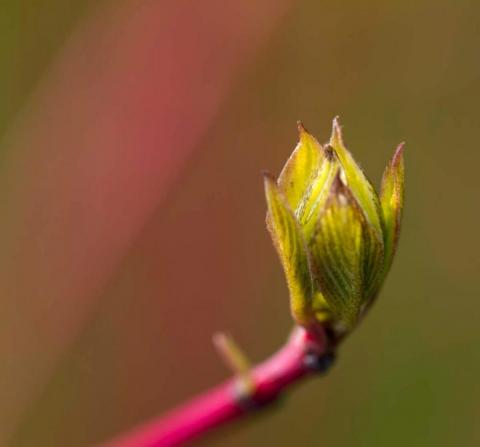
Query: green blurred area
(393, 71)
(31, 33)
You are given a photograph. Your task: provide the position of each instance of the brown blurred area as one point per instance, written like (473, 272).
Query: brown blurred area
(202, 261)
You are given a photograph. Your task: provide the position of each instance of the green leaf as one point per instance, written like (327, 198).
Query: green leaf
(313, 201)
(391, 198)
(306, 179)
(290, 246)
(346, 254)
(356, 180)
(373, 256)
(301, 168)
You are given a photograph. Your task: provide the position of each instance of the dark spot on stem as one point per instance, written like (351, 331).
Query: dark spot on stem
(319, 364)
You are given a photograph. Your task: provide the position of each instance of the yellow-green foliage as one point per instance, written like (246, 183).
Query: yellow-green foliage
(334, 235)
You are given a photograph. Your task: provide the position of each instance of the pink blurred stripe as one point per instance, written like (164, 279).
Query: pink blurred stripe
(124, 106)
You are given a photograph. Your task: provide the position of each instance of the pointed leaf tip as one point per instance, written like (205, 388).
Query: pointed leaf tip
(391, 197)
(301, 169)
(268, 176)
(337, 130)
(301, 128)
(398, 154)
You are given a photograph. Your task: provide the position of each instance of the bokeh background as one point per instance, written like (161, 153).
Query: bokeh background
(133, 134)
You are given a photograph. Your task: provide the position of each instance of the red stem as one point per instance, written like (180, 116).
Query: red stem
(234, 398)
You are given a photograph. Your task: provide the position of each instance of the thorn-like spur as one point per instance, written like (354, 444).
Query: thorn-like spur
(236, 360)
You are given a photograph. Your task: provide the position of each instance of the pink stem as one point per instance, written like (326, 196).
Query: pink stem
(234, 398)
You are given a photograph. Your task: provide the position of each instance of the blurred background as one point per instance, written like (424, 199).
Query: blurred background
(133, 134)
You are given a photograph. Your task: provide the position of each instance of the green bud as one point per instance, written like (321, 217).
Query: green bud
(334, 234)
